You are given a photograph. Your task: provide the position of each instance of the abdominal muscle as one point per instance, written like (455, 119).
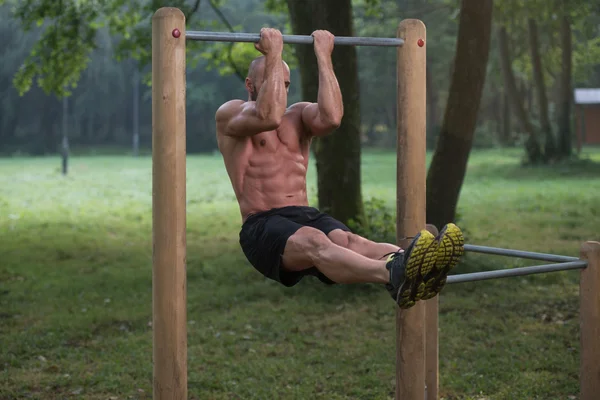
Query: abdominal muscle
(272, 187)
(264, 178)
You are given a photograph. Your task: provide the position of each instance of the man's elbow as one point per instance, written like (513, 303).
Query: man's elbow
(336, 122)
(333, 122)
(272, 122)
(334, 117)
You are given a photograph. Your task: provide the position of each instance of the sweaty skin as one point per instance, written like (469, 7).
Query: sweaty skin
(265, 146)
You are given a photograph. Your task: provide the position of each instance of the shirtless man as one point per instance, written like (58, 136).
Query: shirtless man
(265, 147)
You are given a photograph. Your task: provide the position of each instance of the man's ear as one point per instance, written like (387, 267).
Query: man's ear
(249, 85)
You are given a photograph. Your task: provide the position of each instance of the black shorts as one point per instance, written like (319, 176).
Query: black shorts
(264, 235)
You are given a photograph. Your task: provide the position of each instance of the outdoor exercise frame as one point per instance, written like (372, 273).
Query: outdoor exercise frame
(417, 327)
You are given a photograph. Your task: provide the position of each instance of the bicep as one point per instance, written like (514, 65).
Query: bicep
(312, 121)
(241, 119)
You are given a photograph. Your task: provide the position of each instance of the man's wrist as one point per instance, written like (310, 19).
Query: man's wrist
(273, 55)
(323, 58)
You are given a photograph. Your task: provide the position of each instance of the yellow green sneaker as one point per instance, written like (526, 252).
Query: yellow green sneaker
(450, 249)
(407, 269)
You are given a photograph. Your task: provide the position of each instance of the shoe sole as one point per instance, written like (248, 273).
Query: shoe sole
(449, 251)
(420, 262)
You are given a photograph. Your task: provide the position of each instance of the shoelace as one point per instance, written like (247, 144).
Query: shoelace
(399, 251)
(393, 252)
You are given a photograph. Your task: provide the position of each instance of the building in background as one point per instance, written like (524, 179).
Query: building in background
(587, 117)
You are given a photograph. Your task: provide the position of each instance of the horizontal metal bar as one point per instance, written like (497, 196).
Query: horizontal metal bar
(291, 39)
(506, 273)
(518, 253)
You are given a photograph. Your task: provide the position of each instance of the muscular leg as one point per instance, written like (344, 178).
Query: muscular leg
(310, 247)
(361, 245)
(366, 247)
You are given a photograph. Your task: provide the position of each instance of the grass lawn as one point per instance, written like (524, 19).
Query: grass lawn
(76, 289)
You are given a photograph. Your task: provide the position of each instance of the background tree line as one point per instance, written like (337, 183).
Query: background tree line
(101, 106)
(498, 74)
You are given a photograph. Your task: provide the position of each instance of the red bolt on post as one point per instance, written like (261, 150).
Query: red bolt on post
(420, 42)
(176, 33)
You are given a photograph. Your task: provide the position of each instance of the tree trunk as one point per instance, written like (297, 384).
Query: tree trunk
(493, 111)
(89, 129)
(136, 111)
(532, 145)
(449, 163)
(564, 102)
(337, 155)
(540, 89)
(47, 121)
(64, 149)
(8, 129)
(506, 120)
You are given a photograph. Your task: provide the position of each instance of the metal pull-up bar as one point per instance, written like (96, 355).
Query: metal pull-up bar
(206, 36)
(563, 263)
(507, 273)
(518, 253)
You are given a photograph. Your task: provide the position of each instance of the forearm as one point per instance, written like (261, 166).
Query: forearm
(272, 98)
(329, 99)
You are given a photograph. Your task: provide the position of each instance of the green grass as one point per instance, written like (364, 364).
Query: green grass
(76, 289)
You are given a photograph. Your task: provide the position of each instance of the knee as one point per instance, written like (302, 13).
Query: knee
(340, 237)
(350, 240)
(357, 242)
(354, 242)
(313, 243)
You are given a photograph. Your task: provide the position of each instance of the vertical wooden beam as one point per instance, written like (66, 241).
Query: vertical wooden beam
(431, 349)
(431, 341)
(168, 205)
(410, 207)
(589, 317)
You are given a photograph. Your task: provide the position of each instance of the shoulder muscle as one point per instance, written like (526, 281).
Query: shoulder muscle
(228, 110)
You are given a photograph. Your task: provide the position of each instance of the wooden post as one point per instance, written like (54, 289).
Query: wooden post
(589, 317)
(431, 349)
(410, 207)
(168, 205)
(431, 341)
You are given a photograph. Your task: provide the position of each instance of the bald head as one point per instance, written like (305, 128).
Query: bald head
(256, 69)
(256, 76)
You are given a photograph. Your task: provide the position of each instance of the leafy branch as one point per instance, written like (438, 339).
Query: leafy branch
(225, 21)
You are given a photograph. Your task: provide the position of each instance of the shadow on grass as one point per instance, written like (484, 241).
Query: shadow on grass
(235, 281)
